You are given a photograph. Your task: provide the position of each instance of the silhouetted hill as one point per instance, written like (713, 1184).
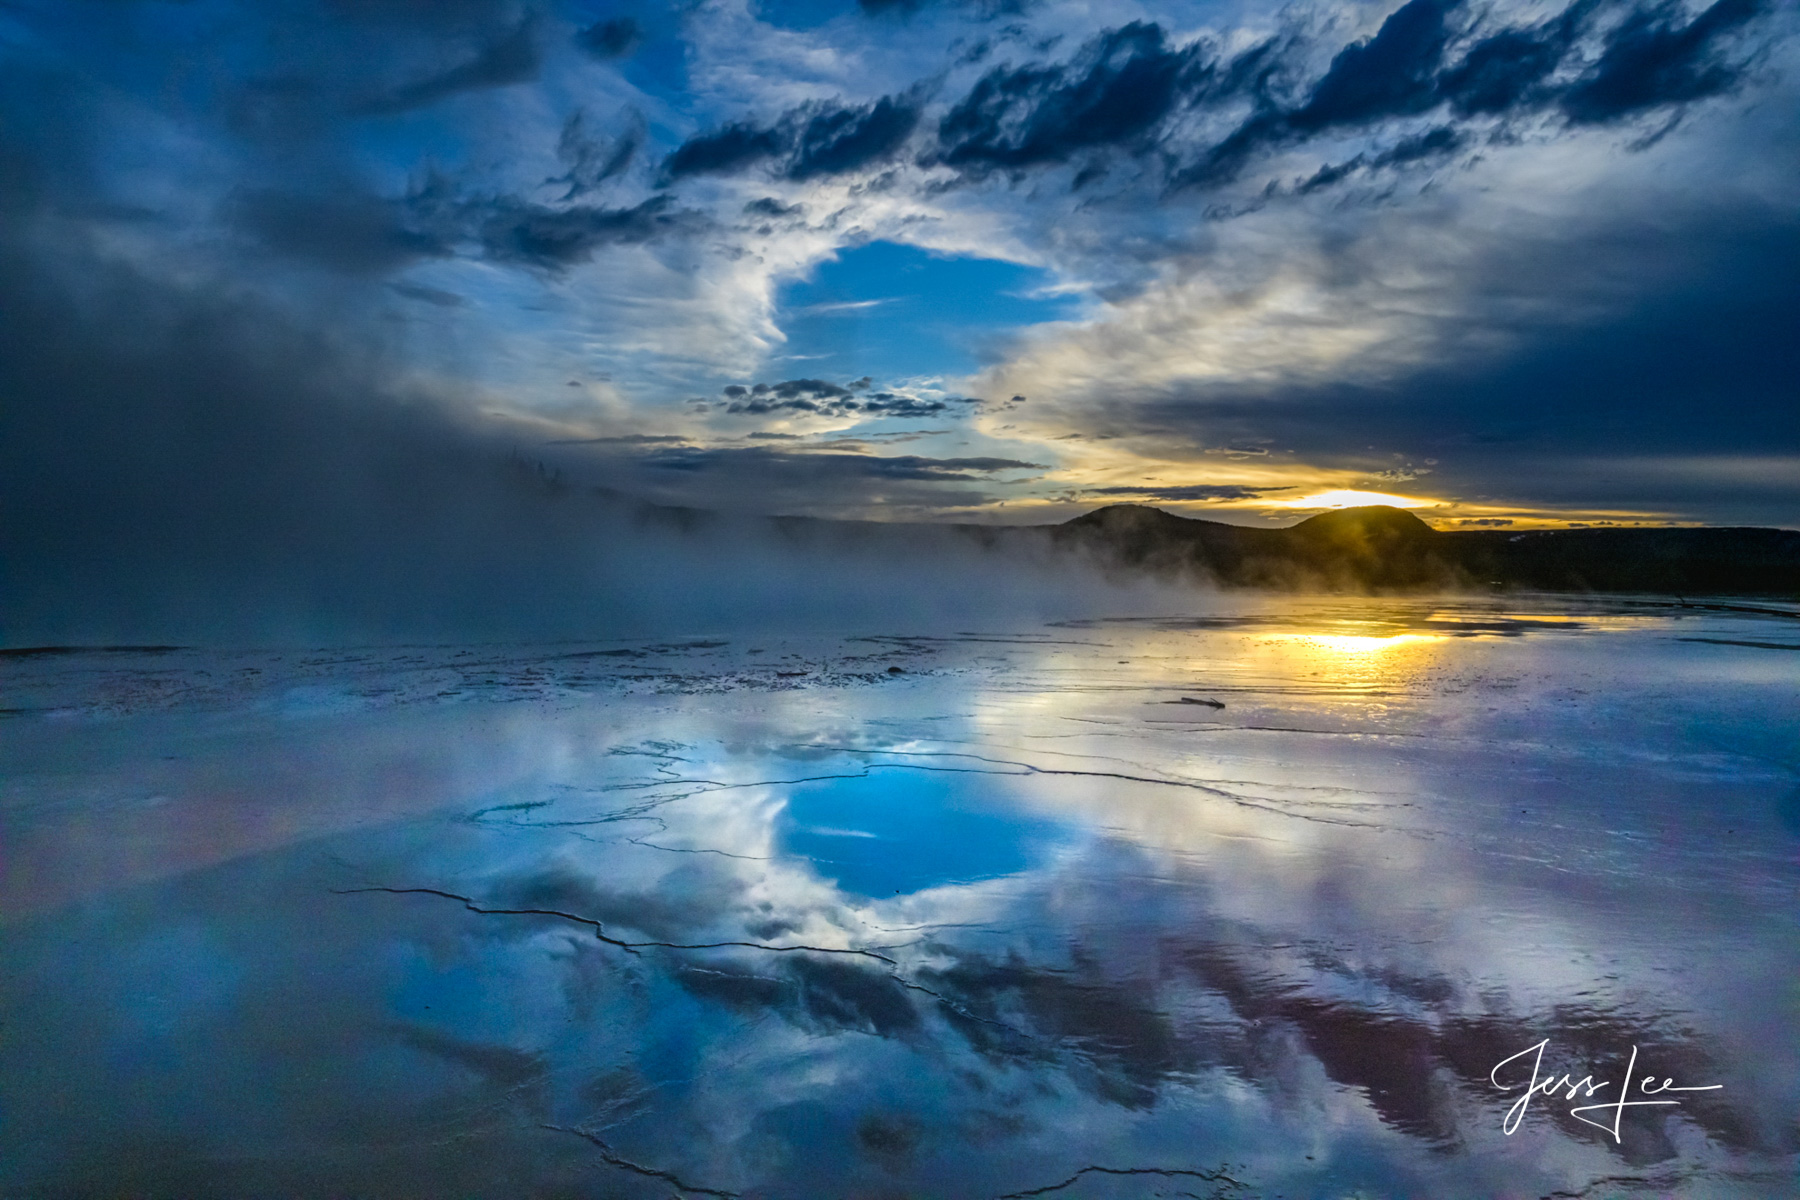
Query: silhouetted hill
(1377, 548)
(1382, 548)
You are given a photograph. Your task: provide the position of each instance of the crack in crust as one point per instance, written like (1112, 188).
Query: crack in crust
(600, 929)
(608, 1156)
(1218, 1176)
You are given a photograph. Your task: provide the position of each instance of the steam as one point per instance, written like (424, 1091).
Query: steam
(191, 463)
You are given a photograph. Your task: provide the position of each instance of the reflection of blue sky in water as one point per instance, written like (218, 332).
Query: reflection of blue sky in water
(903, 830)
(1285, 939)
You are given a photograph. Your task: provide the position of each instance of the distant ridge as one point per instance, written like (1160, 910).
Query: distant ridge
(1383, 548)
(1376, 548)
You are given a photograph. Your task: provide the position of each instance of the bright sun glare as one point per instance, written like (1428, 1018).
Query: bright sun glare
(1344, 498)
(1362, 644)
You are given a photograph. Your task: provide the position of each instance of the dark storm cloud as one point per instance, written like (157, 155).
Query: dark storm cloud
(1391, 74)
(556, 238)
(793, 389)
(1198, 491)
(813, 140)
(729, 149)
(591, 160)
(821, 398)
(826, 466)
(887, 404)
(768, 206)
(356, 233)
(837, 140)
(882, 404)
(1125, 82)
(620, 439)
(1500, 73)
(512, 57)
(610, 39)
(1653, 60)
(1436, 143)
(344, 231)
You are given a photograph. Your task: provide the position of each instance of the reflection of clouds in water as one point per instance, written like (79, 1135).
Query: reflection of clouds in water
(1373, 1026)
(1303, 924)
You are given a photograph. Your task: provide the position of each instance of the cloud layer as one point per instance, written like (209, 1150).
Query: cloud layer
(1534, 262)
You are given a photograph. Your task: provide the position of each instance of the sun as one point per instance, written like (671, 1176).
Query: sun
(1346, 498)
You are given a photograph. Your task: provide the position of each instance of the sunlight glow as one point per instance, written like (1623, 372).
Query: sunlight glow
(1347, 498)
(1359, 644)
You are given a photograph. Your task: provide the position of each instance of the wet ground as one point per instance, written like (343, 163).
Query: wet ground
(1285, 899)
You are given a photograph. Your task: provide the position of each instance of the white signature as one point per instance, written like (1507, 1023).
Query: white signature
(1584, 1088)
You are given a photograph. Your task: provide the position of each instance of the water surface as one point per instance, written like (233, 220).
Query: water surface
(1249, 903)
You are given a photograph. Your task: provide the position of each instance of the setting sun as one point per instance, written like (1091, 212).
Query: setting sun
(1345, 498)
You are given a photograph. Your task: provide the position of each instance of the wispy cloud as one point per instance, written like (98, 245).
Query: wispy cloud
(842, 306)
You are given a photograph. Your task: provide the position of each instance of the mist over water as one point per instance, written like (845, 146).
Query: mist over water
(181, 466)
(1248, 901)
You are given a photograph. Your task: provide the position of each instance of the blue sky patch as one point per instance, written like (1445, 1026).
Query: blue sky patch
(894, 311)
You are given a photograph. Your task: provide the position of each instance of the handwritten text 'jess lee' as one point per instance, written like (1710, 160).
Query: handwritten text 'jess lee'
(1585, 1088)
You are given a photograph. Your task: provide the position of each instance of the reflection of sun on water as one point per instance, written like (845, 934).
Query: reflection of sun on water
(1357, 643)
(1352, 662)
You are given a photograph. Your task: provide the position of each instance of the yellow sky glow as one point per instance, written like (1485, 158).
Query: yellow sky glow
(1349, 498)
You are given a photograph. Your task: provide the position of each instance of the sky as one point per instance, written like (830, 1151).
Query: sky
(905, 260)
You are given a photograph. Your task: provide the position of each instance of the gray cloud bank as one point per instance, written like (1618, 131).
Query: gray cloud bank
(1683, 397)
